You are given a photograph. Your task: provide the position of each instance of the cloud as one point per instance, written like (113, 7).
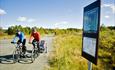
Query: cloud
(25, 19)
(107, 16)
(111, 6)
(61, 24)
(2, 12)
(22, 19)
(30, 20)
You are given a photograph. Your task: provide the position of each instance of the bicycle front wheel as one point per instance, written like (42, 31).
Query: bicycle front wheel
(33, 55)
(16, 56)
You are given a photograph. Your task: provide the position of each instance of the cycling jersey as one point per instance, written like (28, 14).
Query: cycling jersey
(20, 36)
(36, 36)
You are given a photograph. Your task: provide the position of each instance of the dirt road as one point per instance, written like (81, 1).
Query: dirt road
(40, 63)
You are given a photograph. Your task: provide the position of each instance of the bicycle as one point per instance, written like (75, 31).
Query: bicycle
(35, 52)
(17, 53)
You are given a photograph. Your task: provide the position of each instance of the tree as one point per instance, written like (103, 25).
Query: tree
(10, 31)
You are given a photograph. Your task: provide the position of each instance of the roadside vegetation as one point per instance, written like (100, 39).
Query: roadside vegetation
(67, 54)
(10, 32)
(68, 44)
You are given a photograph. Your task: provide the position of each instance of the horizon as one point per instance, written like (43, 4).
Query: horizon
(52, 14)
(53, 28)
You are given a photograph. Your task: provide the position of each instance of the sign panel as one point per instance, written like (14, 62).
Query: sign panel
(91, 22)
(89, 45)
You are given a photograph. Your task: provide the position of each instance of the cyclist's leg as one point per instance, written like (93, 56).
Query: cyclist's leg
(33, 42)
(19, 41)
(38, 46)
(23, 46)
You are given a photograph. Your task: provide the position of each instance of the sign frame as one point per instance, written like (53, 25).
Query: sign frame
(93, 59)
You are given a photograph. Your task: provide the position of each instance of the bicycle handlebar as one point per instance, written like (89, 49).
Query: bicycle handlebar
(14, 42)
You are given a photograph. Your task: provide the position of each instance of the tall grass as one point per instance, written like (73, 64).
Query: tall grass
(67, 55)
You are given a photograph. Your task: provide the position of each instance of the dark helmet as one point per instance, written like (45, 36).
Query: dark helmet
(18, 30)
(33, 29)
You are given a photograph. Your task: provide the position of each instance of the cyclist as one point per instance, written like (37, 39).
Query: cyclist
(35, 37)
(22, 39)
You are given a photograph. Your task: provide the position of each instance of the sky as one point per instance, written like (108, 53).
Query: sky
(51, 13)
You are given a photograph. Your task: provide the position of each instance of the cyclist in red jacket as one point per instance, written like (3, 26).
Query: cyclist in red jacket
(35, 37)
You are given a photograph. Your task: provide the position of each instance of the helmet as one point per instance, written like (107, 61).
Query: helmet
(33, 29)
(17, 30)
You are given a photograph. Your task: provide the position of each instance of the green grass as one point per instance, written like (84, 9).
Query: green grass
(67, 54)
(6, 36)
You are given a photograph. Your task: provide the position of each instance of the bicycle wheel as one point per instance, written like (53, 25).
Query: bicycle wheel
(46, 49)
(16, 56)
(36, 51)
(33, 55)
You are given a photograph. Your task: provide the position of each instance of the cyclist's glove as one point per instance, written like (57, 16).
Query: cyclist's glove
(12, 42)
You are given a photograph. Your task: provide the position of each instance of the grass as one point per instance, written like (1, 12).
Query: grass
(67, 54)
(6, 36)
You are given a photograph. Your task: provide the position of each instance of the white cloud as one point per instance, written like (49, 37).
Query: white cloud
(25, 19)
(111, 6)
(107, 16)
(2, 12)
(61, 24)
(30, 20)
(22, 19)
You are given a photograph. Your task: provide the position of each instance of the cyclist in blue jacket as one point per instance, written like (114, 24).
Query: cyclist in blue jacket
(22, 39)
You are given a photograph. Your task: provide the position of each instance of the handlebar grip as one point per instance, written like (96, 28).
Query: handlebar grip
(13, 42)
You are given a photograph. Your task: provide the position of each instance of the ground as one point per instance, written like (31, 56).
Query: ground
(40, 63)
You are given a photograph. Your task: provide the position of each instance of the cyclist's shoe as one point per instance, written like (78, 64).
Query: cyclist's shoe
(23, 55)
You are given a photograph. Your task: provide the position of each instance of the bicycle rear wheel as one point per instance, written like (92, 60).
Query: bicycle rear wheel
(46, 49)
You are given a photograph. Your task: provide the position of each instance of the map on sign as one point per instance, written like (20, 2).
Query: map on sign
(91, 21)
(89, 45)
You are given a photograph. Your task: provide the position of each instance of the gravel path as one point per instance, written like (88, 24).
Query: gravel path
(40, 63)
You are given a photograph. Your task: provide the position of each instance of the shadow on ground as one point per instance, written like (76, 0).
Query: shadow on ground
(8, 59)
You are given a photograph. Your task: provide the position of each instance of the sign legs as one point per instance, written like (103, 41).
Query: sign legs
(89, 65)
